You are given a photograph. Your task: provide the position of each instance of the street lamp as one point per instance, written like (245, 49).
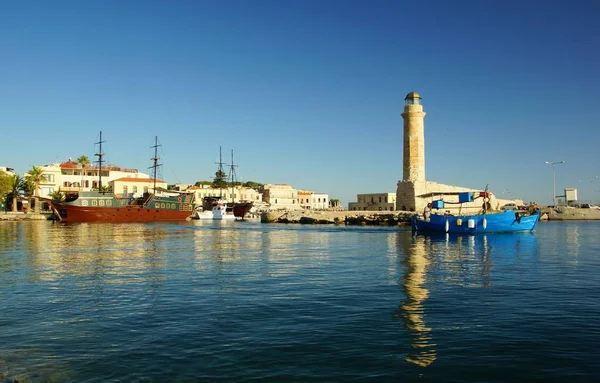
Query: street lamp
(553, 163)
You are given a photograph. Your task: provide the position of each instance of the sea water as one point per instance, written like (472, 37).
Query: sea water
(205, 301)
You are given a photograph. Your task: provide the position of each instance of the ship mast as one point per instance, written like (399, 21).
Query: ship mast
(232, 177)
(155, 160)
(220, 172)
(100, 161)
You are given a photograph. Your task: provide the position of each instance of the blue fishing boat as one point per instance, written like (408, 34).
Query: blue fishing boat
(486, 221)
(500, 222)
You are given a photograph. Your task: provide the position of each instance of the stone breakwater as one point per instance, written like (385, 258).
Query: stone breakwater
(387, 218)
(562, 213)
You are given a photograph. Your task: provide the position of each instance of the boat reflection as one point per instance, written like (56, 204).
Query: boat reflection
(114, 253)
(465, 261)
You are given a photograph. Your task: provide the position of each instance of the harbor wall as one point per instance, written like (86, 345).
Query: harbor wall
(562, 213)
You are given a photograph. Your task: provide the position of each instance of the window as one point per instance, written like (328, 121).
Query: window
(50, 177)
(134, 189)
(124, 189)
(145, 189)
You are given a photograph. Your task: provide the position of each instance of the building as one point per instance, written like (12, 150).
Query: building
(70, 176)
(319, 201)
(414, 192)
(281, 196)
(374, 201)
(9, 171)
(235, 194)
(131, 187)
(310, 200)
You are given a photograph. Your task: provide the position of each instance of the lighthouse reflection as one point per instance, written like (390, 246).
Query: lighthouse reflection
(412, 309)
(453, 262)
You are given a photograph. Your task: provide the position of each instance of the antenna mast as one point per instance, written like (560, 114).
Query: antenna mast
(100, 161)
(155, 160)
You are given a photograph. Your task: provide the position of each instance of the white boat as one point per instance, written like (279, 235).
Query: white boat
(219, 212)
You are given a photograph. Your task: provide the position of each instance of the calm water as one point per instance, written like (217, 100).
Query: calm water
(244, 301)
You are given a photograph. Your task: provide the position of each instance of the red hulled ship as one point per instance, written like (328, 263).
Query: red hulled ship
(101, 206)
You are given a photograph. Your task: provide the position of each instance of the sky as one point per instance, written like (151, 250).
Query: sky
(309, 93)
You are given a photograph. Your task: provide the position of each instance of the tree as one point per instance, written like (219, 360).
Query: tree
(57, 196)
(220, 181)
(28, 189)
(201, 183)
(15, 184)
(34, 178)
(334, 202)
(252, 185)
(4, 186)
(84, 161)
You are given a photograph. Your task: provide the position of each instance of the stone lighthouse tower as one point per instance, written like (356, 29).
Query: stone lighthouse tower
(414, 138)
(413, 185)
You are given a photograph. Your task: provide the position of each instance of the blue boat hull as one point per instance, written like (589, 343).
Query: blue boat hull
(502, 222)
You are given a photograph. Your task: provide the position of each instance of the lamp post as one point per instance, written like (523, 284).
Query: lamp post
(553, 163)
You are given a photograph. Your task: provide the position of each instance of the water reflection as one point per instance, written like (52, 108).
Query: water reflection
(466, 261)
(416, 262)
(111, 252)
(572, 234)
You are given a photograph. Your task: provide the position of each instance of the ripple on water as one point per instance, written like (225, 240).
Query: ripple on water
(242, 301)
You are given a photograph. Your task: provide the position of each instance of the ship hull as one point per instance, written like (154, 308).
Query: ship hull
(240, 209)
(503, 222)
(104, 207)
(122, 214)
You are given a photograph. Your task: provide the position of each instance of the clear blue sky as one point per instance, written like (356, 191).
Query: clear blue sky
(309, 92)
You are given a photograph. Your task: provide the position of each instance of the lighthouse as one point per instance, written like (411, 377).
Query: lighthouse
(414, 138)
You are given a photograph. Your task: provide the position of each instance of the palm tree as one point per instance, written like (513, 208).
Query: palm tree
(35, 177)
(28, 189)
(83, 160)
(104, 189)
(15, 183)
(57, 196)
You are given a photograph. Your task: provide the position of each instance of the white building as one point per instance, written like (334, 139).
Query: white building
(9, 171)
(235, 194)
(72, 177)
(131, 187)
(281, 196)
(319, 201)
(310, 200)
